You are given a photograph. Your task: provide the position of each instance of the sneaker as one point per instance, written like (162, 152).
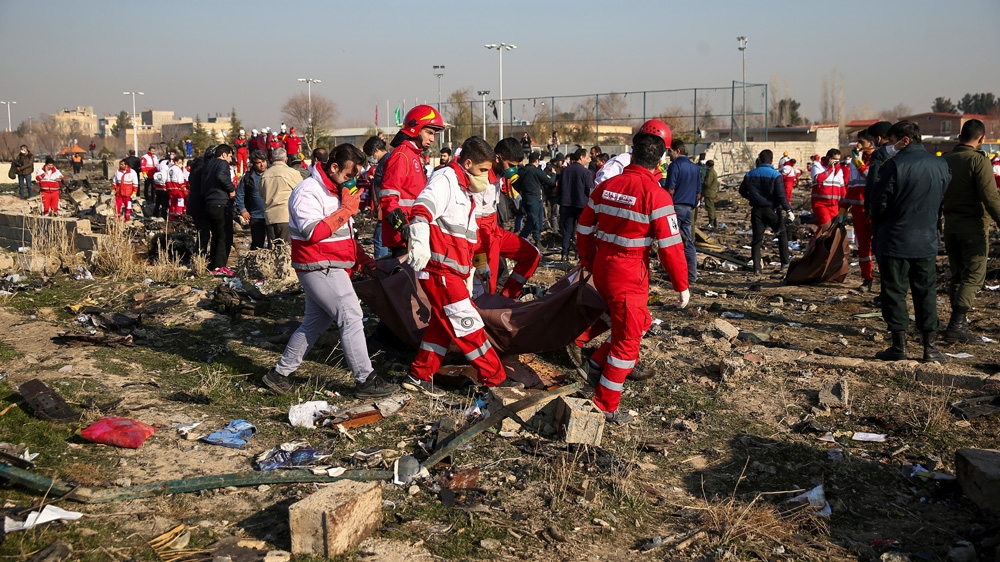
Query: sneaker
(575, 354)
(619, 417)
(642, 371)
(416, 385)
(375, 387)
(279, 384)
(219, 272)
(591, 372)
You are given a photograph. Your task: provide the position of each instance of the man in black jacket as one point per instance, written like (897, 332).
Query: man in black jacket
(575, 185)
(764, 188)
(218, 191)
(904, 205)
(531, 182)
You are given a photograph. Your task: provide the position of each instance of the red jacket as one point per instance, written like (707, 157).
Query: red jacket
(856, 182)
(241, 144)
(49, 180)
(623, 218)
(402, 182)
(292, 144)
(449, 208)
(831, 184)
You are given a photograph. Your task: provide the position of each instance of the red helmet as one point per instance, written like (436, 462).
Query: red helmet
(658, 128)
(421, 116)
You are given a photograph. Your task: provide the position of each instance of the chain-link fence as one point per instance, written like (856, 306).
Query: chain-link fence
(696, 115)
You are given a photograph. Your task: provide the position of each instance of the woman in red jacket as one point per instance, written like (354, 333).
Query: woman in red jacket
(50, 180)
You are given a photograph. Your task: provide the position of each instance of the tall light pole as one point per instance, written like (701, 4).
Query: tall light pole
(135, 124)
(7, 103)
(439, 72)
(309, 92)
(484, 93)
(743, 49)
(500, 49)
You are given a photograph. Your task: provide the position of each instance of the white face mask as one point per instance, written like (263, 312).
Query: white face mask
(478, 184)
(891, 149)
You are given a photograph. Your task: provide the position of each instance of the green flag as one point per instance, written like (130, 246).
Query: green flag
(399, 116)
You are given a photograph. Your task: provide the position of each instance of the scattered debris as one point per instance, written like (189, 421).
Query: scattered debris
(816, 499)
(119, 432)
(197, 398)
(235, 435)
(579, 421)
(107, 340)
(868, 437)
(834, 395)
(307, 413)
(47, 514)
(294, 454)
(46, 403)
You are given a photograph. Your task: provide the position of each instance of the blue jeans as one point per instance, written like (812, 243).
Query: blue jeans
(684, 221)
(24, 186)
(379, 251)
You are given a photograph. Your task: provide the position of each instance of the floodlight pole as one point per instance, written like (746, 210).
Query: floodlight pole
(135, 123)
(484, 93)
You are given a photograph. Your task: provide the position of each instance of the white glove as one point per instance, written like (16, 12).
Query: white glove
(790, 215)
(684, 298)
(420, 245)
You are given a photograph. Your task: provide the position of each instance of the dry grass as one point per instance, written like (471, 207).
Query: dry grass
(167, 268)
(199, 264)
(50, 239)
(116, 257)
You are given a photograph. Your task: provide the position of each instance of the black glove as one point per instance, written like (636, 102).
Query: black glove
(397, 220)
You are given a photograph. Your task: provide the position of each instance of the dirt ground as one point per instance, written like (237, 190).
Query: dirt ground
(707, 469)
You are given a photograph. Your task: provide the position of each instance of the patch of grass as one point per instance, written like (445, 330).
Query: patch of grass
(9, 353)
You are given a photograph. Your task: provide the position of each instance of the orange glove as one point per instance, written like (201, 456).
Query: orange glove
(349, 205)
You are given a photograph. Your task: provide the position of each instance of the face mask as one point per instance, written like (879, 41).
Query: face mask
(891, 149)
(510, 174)
(478, 184)
(24, 151)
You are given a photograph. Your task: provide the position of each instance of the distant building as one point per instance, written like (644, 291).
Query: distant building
(800, 143)
(949, 125)
(156, 119)
(82, 119)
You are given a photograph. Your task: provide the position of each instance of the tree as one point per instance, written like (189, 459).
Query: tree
(234, 124)
(200, 137)
(896, 113)
(980, 104)
(122, 122)
(785, 113)
(459, 114)
(296, 112)
(943, 105)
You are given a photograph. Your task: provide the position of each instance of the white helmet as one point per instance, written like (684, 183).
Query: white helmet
(283, 128)
(242, 132)
(254, 131)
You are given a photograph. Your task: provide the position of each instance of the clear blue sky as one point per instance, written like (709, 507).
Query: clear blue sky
(208, 56)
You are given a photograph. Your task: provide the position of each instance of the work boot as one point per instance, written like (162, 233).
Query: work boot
(931, 352)
(619, 417)
(575, 354)
(591, 372)
(897, 352)
(866, 286)
(375, 387)
(416, 385)
(958, 329)
(642, 371)
(278, 383)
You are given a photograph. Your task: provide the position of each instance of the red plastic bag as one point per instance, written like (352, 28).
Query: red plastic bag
(120, 432)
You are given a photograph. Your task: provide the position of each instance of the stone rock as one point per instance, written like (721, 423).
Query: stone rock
(978, 472)
(962, 552)
(336, 518)
(490, 544)
(834, 395)
(724, 329)
(732, 367)
(78, 196)
(895, 557)
(6, 262)
(580, 421)
(278, 556)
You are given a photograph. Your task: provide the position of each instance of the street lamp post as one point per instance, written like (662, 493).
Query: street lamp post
(500, 49)
(484, 93)
(743, 49)
(309, 82)
(7, 103)
(439, 72)
(135, 124)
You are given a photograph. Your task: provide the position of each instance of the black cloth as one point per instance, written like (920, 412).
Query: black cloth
(258, 233)
(575, 185)
(568, 218)
(195, 203)
(217, 182)
(280, 230)
(532, 181)
(161, 202)
(917, 275)
(135, 163)
(220, 224)
(762, 218)
(906, 202)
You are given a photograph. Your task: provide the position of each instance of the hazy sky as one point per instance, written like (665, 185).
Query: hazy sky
(208, 56)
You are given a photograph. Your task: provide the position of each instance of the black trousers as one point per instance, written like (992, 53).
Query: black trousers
(147, 188)
(917, 274)
(220, 223)
(279, 230)
(568, 217)
(762, 218)
(161, 202)
(258, 233)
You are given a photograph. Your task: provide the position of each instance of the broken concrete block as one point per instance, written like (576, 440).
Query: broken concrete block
(6, 262)
(78, 196)
(978, 472)
(732, 367)
(724, 329)
(834, 395)
(579, 421)
(39, 264)
(534, 416)
(336, 518)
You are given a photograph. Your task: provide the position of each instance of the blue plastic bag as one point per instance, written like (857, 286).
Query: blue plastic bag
(234, 436)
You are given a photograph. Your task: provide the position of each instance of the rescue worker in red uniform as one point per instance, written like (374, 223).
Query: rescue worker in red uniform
(125, 184)
(575, 349)
(177, 187)
(258, 141)
(494, 241)
(404, 177)
(50, 180)
(854, 202)
(442, 238)
(830, 188)
(293, 144)
(241, 143)
(624, 217)
(790, 175)
(273, 143)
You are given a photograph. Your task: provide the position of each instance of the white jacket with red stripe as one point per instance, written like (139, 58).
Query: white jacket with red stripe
(831, 184)
(311, 201)
(148, 164)
(49, 180)
(449, 208)
(175, 178)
